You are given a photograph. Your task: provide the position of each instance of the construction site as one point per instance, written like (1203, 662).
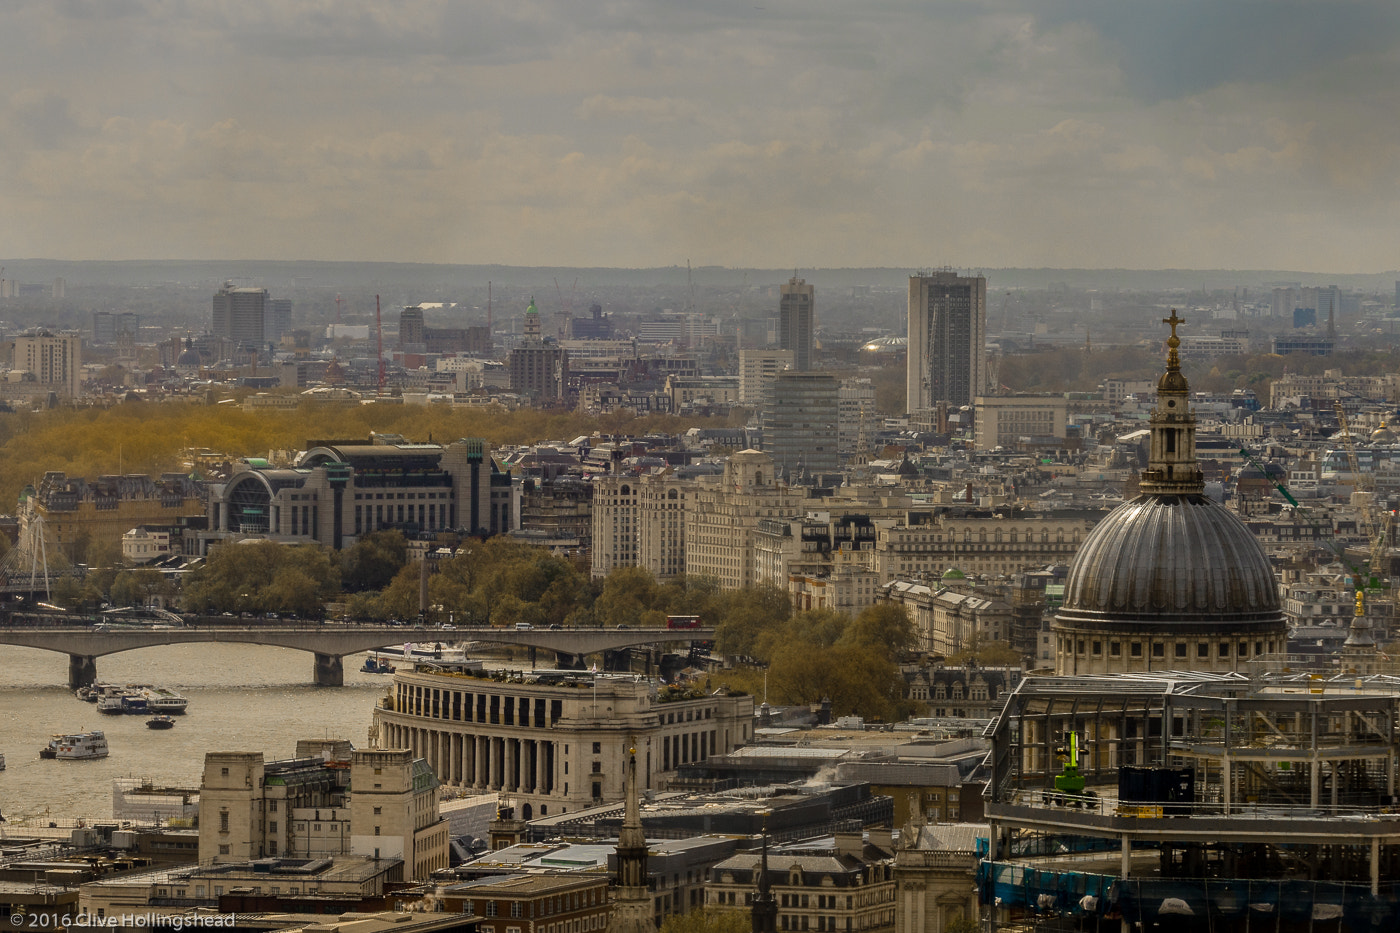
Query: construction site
(1189, 801)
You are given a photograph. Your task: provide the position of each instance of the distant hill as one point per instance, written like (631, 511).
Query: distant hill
(283, 276)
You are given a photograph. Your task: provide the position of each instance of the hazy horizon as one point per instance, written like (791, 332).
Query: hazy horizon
(809, 134)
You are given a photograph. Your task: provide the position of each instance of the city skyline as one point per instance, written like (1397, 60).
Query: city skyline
(1064, 134)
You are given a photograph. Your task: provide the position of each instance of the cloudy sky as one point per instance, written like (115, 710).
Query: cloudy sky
(777, 133)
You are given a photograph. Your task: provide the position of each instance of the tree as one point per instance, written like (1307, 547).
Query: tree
(744, 616)
(373, 560)
(263, 576)
(986, 652)
(708, 920)
(859, 681)
(885, 627)
(630, 597)
(140, 586)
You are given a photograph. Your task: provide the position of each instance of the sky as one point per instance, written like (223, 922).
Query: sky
(974, 134)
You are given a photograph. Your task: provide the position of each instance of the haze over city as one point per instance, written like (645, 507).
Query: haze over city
(781, 134)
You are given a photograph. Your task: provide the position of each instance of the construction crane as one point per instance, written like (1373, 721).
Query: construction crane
(1363, 499)
(1363, 578)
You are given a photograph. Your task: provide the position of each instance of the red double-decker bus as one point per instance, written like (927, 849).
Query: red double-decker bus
(682, 622)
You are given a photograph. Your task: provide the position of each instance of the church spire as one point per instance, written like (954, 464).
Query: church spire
(1172, 468)
(632, 908)
(764, 912)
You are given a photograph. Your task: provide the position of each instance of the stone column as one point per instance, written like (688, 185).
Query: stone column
(329, 671)
(82, 670)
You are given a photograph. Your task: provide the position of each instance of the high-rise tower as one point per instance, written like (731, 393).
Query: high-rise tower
(795, 321)
(947, 339)
(240, 314)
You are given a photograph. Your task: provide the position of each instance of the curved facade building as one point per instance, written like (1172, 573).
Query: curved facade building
(1171, 580)
(555, 741)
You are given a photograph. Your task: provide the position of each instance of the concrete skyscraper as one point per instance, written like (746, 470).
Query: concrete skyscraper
(795, 321)
(240, 314)
(947, 339)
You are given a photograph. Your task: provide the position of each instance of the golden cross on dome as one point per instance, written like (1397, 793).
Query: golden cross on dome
(1173, 321)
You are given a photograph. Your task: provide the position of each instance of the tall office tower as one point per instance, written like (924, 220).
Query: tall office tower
(278, 320)
(799, 422)
(1283, 303)
(239, 315)
(411, 336)
(795, 311)
(947, 339)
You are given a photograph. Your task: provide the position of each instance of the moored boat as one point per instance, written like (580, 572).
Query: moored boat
(140, 699)
(76, 746)
(377, 665)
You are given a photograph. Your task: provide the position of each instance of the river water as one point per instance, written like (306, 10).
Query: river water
(242, 698)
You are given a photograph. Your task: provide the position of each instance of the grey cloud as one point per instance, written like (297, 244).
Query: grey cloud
(1173, 49)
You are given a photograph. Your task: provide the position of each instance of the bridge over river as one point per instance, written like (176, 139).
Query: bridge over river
(330, 643)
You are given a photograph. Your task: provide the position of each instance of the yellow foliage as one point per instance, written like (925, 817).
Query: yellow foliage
(148, 438)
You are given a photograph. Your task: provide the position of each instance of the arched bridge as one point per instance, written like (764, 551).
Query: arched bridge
(329, 643)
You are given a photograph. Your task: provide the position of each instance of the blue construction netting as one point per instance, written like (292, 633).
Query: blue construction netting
(1203, 904)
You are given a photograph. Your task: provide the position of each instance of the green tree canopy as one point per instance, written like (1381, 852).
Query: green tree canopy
(373, 560)
(263, 576)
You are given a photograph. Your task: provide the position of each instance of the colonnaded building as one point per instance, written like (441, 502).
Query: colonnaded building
(555, 740)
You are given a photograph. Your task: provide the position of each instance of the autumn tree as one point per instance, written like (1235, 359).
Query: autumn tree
(885, 627)
(708, 920)
(745, 617)
(630, 596)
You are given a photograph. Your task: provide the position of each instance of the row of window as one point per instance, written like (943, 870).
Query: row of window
(1180, 650)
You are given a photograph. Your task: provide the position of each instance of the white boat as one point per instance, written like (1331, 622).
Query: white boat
(140, 699)
(436, 653)
(80, 745)
(164, 700)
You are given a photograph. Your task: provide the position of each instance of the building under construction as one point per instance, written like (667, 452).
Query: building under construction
(1211, 802)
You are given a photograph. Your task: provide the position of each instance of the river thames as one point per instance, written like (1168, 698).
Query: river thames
(242, 698)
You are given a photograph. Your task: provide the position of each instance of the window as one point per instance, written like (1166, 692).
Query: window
(223, 772)
(1180, 649)
(378, 810)
(1159, 650)
(223, 821)
(1115, 650)
(1136, 649)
